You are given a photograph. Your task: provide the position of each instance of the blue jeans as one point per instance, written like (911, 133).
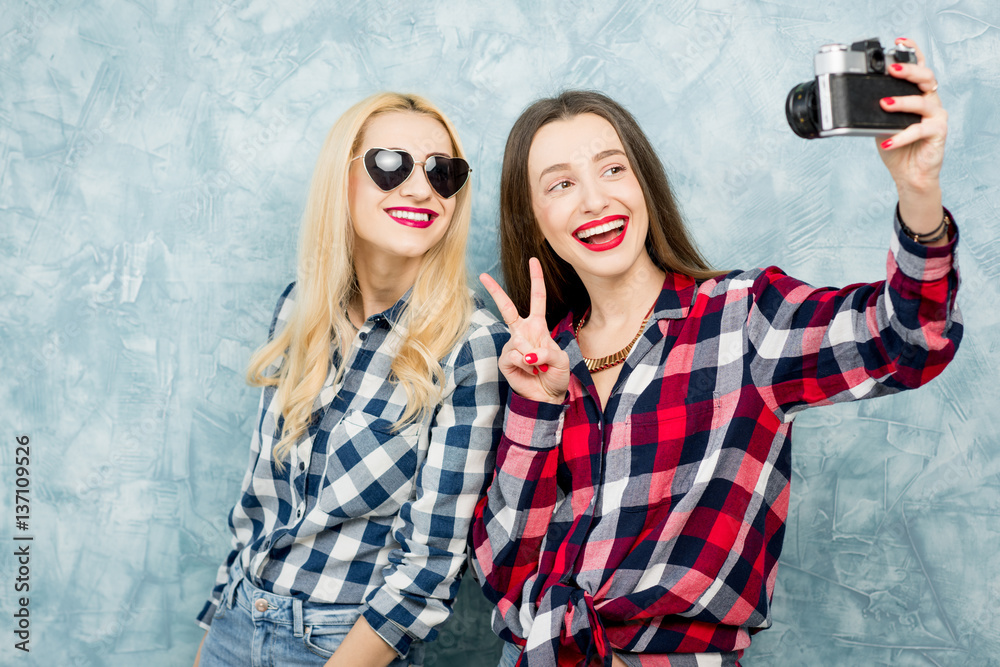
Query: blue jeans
(246, 632)
(511, 652)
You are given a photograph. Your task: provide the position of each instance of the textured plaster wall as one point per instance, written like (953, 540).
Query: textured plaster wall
(154, 157)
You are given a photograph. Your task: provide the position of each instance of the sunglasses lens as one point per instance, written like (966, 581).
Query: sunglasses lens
(388, 169)
(447, 175)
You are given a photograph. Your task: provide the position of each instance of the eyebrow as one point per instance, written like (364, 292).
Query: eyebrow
(565, 165)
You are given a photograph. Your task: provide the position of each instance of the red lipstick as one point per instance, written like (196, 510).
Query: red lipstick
(412, 217)
(607, 245)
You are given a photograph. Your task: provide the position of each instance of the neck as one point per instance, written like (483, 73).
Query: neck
(616, 300)
(382, 280)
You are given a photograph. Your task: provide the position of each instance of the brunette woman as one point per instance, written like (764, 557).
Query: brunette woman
(638, 507)
(378, 414)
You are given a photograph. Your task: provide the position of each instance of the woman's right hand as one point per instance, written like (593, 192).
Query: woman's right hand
(535, 367)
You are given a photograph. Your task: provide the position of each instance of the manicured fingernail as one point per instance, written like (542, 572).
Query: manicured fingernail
(900, 39)
(543, 367)
(897, 68)
(530, 358)
(889, 101)
(887, 143)
(535, 371)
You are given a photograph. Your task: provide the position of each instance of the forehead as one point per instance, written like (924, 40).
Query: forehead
(574, 141)
(416, 133)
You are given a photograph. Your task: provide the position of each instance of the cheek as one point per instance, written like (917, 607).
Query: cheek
(547, 219)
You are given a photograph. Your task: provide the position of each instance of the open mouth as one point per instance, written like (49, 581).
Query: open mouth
(412, 217)
(602, 234)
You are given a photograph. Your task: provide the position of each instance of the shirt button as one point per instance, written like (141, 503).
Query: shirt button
(363, 336)
(302, 465)
(260, 605)
(298, 513)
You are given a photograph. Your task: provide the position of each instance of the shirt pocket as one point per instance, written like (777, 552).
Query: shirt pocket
(667, 451)
(370, 468)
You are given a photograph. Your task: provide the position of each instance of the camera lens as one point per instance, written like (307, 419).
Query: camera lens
(800, 110)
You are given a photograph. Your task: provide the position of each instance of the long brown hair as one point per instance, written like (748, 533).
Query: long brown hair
(667, 242)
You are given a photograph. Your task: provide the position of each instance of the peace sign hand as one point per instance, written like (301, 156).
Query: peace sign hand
(535, 367)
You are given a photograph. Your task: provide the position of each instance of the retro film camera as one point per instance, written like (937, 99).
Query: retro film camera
(843, 99)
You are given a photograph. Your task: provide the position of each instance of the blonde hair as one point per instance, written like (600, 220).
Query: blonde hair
(437, 314)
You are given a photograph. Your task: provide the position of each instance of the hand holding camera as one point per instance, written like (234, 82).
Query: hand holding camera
(864, 90)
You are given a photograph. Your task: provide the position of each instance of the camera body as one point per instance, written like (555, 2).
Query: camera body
(843, 99)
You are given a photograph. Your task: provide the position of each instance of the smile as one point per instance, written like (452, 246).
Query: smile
(603, 234)
(412, 217)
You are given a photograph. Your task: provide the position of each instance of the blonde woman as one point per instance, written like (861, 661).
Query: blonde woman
(378, 414)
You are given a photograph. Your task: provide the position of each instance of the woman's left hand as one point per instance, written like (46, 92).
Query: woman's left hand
(914, 155)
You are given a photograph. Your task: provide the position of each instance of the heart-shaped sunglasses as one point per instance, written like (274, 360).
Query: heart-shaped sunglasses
(389, 168)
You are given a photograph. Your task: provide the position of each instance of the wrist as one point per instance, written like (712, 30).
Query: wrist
(936, 237)
(921, 211)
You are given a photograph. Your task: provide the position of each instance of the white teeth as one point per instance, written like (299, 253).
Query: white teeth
(410, 215)
(617, 223)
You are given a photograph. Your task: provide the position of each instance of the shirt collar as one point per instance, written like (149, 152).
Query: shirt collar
(394, 313)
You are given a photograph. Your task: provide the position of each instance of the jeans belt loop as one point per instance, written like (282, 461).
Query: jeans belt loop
(230, 593)
(297, 617)
(236, 576)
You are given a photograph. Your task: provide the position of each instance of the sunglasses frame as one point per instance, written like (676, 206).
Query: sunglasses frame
(413, 168)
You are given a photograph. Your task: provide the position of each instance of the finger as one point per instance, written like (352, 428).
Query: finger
(924, 105)
(544, 356)
(508, 311)
(514, 359)
(910, 43)
(927, 129)
(918, 74)
(537, 307)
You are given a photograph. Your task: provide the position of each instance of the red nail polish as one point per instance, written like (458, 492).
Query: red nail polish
(543, 367)
(887, 143)
(530, 358)
(897, 68)
(889, 101)
(535, 371)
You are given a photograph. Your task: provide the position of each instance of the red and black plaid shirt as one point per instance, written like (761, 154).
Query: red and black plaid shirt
(654, 527)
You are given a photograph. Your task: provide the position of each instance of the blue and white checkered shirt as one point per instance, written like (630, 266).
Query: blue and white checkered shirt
(362, 515)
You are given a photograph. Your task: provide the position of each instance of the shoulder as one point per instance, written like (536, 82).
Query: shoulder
(751, 282)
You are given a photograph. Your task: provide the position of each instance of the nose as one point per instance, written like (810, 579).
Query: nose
(593, 198)
(417, 186)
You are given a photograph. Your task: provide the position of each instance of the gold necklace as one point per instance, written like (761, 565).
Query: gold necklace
(612, 360)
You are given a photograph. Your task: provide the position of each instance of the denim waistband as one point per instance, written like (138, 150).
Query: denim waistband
(283, 609)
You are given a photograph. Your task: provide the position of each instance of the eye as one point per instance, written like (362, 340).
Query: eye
(614, 170)
(560, 185)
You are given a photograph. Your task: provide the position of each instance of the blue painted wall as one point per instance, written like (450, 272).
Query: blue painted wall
(154, 158)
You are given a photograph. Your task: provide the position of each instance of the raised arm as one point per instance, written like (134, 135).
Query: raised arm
(512, 520)
(813, 346)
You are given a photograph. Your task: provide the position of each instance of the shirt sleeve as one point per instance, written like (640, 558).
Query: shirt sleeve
(814, 346)
(512, 520)
(204, 619)
(432, 529)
